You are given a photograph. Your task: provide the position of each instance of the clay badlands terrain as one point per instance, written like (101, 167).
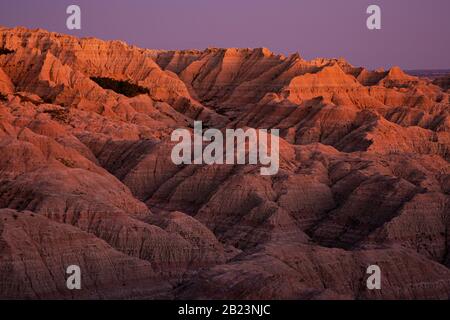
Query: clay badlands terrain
(86, 176)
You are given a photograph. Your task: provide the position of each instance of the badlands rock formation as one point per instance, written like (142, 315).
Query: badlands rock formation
(86, 176)
(443, 82)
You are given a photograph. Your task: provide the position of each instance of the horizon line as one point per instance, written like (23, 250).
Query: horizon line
(287, 55)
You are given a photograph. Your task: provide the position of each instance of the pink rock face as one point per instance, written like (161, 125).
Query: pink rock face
(86, 176)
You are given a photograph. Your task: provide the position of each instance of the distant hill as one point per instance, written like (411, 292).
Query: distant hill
(431, 74)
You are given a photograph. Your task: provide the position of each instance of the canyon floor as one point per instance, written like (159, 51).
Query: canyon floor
(86, 176)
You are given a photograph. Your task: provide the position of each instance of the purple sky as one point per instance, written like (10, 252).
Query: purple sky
(415, 33)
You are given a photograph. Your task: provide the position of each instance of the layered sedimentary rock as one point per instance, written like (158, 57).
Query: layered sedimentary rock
(36, 252)
(86, 175)
(6, 86)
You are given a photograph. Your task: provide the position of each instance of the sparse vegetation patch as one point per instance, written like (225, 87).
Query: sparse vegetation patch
(122, 87)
